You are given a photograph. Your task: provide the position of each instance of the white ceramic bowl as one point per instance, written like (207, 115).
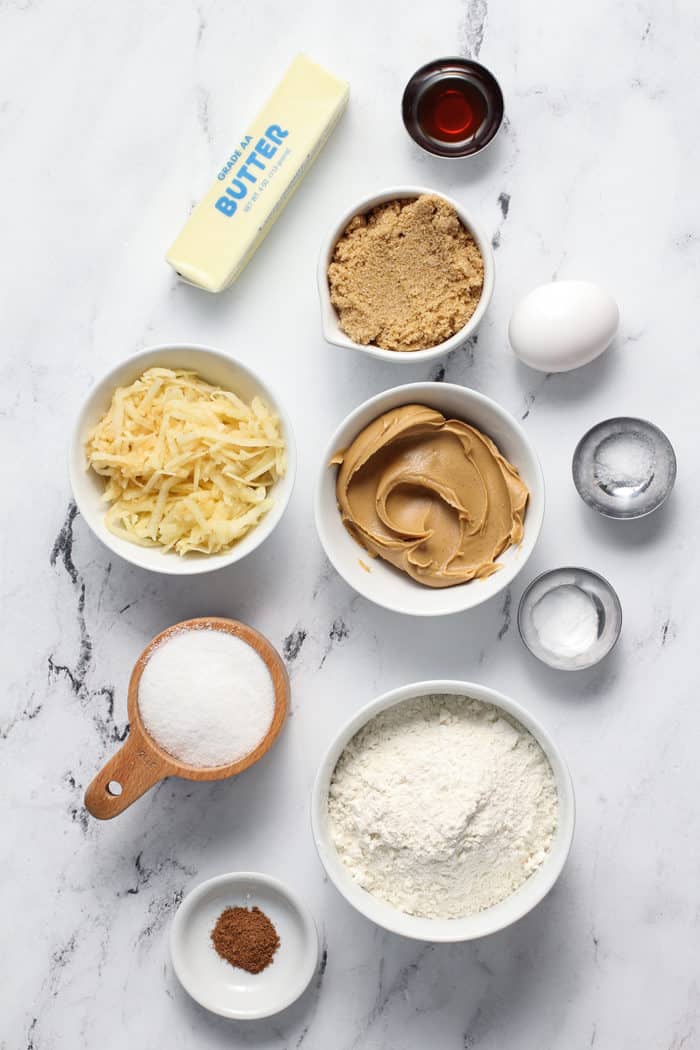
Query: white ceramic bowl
(227, 990)
(383, 583)
(491, 919)
(217, 368)
(332, 331)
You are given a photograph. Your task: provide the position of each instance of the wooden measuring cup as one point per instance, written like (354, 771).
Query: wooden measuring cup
(141, 762)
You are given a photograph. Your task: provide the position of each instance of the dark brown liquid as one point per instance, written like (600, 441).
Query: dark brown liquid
(451, 109)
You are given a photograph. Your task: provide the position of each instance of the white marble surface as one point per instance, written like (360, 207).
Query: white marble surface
(113, 117)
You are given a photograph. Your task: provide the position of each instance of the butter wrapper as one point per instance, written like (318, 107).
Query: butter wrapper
(259, 177)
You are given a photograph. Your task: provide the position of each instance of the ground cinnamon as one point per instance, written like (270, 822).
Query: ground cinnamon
(245, 938)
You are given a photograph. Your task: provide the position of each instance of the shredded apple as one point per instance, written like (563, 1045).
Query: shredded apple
(188, 466)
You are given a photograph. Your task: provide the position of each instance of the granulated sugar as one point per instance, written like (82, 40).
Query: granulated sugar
(206, 697)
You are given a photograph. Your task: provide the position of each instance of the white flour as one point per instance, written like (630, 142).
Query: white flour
(442, 807)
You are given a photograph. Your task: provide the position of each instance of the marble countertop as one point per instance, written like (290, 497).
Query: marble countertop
(113, 119)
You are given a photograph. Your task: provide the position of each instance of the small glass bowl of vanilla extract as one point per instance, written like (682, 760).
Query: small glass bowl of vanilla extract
(453, 107)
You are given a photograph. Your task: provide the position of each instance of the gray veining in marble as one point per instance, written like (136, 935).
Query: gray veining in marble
(113, 118)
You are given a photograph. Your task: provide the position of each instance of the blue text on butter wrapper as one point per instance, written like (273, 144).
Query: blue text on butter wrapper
(238, 189)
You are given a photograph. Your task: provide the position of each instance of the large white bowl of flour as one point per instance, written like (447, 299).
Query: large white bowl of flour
(443, 811)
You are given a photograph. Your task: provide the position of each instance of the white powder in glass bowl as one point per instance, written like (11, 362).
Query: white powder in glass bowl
(566, 621)
(442, 806)
(206, 697)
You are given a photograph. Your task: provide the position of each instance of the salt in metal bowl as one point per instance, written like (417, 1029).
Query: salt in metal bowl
(567, 589)
(624, 467)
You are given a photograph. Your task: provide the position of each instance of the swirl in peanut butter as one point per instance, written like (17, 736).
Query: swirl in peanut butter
(431, 495)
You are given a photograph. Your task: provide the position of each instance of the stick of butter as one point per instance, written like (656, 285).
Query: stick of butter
(259, 177)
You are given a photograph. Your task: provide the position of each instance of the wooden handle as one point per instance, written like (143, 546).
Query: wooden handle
(134, 769)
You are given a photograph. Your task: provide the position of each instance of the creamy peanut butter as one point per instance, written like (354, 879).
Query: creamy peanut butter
(433, 496)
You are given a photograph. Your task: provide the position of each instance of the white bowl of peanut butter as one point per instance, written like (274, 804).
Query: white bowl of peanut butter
(430, 499)
(405, 275)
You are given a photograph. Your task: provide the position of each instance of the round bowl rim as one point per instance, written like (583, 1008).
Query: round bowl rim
(183, 566)
(190, 901)
(272, 659)
(608, 513)
(332, 332)
(461, 60)
(441, 930)
(412, 393)
(586, 572)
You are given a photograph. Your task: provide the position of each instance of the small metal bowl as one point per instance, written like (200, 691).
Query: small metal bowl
(556, 586)
(624, 467)
(454, 72)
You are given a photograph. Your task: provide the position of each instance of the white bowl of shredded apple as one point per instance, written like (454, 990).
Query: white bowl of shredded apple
(182, 461)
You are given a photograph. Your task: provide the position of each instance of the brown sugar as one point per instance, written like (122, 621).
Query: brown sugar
(406, 276)
(246, 938)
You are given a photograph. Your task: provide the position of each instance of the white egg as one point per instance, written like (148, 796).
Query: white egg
(563, 325)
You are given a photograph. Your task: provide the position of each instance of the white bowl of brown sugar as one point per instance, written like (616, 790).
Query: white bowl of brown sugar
(405, 275)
